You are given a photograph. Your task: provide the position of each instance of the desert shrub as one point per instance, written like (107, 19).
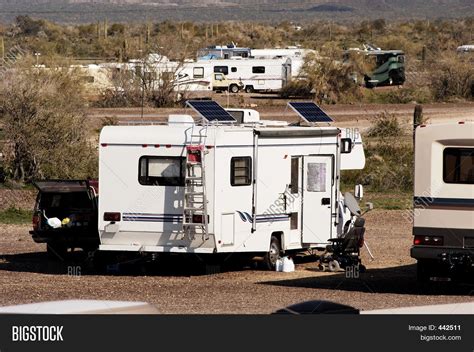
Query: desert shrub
(389, 158)
(384, 125)
(43, 113)
(452, 78)
(398, 96)
(329, 80)
(297, 89)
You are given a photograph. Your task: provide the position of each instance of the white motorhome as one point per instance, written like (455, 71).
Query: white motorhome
(260, 189)
(443, 217)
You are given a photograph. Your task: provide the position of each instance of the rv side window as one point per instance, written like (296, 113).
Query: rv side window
(458, 165)
(241, 171)
(233, 69)
(198, 72)
(258, 69)
(161, 171)
(295, 164)
(221, 69)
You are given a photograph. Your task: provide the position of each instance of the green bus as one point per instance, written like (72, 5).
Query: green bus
(387, 67)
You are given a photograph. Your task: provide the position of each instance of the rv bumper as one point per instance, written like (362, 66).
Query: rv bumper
(452, 258)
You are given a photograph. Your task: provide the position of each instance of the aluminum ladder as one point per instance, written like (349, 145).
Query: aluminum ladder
(195, 216)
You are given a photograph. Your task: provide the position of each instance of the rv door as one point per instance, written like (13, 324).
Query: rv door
(317, 198)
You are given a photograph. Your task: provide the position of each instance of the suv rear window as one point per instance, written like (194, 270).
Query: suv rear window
(73, 200)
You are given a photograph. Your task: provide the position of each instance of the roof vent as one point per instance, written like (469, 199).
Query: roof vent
(180, 119)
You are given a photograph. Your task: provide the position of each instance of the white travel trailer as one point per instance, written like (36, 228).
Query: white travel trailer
(255, 74)
(443, 217)
(259, 189)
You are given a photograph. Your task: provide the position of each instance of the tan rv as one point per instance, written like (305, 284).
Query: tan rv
(443, 214)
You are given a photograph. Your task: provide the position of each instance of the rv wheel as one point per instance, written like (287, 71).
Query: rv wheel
(234, 88)
(270, 259)
(249, 89)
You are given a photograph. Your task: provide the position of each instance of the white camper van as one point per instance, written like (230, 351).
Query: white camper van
(222, 187)
(443, 216)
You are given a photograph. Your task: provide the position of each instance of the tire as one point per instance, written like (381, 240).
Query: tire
(56, 251)
(234, 88)
(334, 266)
(249, 89)
(270, 259)
(322, 267)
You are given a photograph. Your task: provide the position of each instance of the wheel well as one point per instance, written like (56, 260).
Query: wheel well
(280, 236)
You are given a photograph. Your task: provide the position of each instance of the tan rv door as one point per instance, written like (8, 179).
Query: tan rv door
(317, 198)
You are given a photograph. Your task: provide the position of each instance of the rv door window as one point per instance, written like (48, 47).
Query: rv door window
(198, 72)
(316, 177)
(458, 165)
(258, 69)
(241, 171)
(221, 69)
(161, 171)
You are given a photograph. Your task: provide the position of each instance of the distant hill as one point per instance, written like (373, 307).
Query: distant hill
(73, 11)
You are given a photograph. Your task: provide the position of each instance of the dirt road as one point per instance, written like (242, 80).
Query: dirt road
(356, 115)
(26, 276)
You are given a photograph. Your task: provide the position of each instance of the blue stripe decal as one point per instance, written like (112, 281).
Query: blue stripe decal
(146, 217)
(246, 217)
(449, 202)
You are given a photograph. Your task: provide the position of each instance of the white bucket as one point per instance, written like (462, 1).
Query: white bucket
(285, 265)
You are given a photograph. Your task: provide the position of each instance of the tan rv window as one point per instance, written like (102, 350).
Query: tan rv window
(241, 171)
(458, 165)
(161, 171)
(198, 72)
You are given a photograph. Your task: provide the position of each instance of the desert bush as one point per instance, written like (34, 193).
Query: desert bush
(385, 125)
(43, 115)
(403, 95)
(297, 89)
(329, 80)
(389, 158)
(452, 78)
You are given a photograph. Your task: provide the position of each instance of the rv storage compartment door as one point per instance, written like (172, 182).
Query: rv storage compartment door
(317, 199)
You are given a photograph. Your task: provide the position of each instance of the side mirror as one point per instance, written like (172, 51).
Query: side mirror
(359, 192)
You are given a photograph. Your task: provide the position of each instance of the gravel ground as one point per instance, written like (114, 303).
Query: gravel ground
(27, 276)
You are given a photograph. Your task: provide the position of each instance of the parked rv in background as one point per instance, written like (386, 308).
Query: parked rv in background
(388, 66)
(465, 49)
(222, 52)
(443, 215)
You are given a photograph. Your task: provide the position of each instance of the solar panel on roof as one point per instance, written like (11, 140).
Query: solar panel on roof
(310, 112)
(211, 111)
